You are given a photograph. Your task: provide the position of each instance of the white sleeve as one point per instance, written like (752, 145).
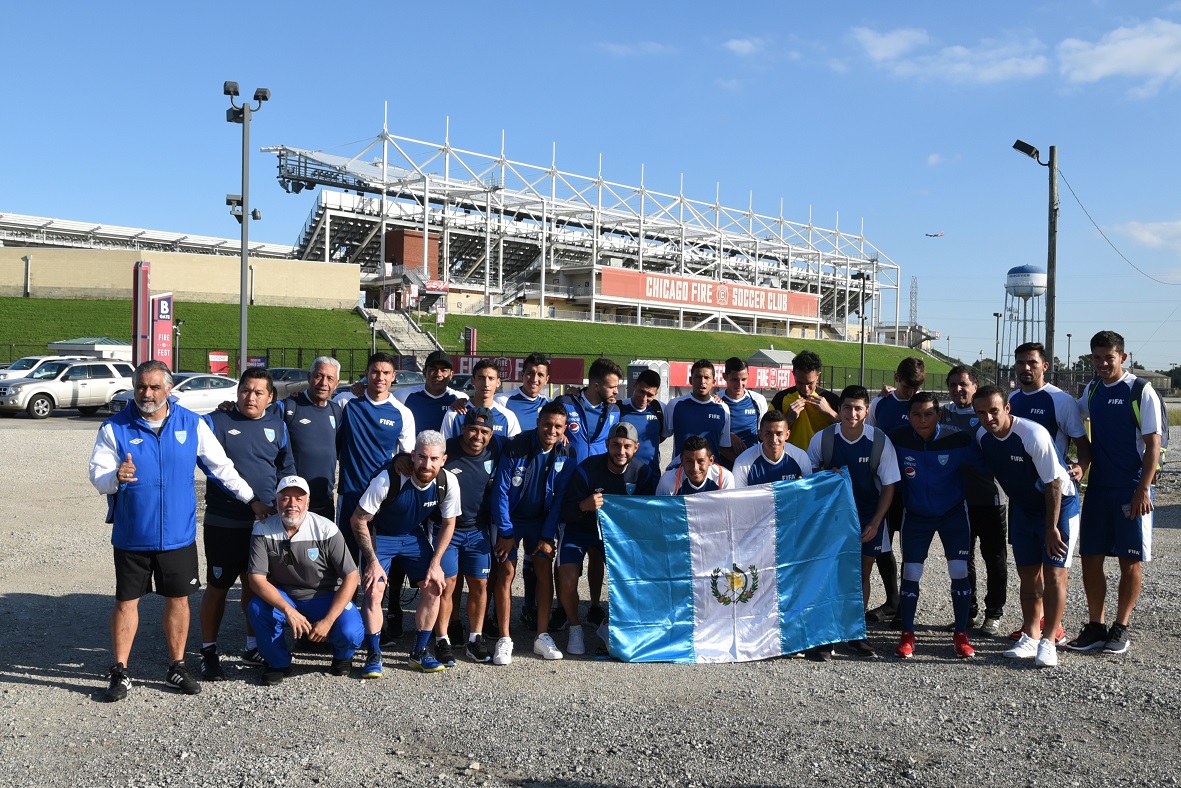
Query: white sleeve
(218, 465)
(1070, 420)
(501, 400)
(375, 494)
(665, 429)
(666, 485)
(104, 462)
(725, 480)
(450, 425)
(409, 433)
(514, 426)
(1082, 401)
(815, 451)
(401, 394)
(450, 506)
(1150, 412)
(760, 406)
(871, 417)
(1040, 447)
(668, 416)
(888, 472)
(801, 457)
(725, 439)
(741, 472)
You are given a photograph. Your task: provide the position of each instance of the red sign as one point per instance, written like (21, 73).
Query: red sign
(162, 328)
(141, 314)
(219, 362)
(707, 294)
(562, 371)
(759, 377)
(437, 285)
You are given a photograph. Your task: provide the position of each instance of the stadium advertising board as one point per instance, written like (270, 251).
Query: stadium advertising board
(563, 371)
(694, 292)
(758, 377)
(162, 328)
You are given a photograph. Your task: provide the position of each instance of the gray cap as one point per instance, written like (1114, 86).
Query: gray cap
(624, 429)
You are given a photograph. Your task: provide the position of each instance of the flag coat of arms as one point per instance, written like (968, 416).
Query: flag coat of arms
(734, 575)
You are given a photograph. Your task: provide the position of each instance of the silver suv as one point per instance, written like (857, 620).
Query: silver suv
(24, 367)
(85, 385)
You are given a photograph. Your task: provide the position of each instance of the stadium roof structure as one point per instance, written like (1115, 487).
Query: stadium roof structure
(505, 225)
(38, 231)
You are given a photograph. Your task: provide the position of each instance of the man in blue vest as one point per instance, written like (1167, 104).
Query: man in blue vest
(313, 420)
(144, 460)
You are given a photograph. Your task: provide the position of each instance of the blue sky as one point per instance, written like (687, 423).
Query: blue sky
(898, 115)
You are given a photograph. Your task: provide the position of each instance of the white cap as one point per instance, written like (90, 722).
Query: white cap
(292, 481)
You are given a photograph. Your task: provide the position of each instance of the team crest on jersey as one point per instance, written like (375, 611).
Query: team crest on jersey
(630, 487)
(943, 458)
(235, 432)
(738, 587)
(138, 441)
(270, 433)
(559, 464)
(975, 422)
(332, 421)
(313, 553)
(216, 572)
(304, 421)
(487, 466)
(181, 435)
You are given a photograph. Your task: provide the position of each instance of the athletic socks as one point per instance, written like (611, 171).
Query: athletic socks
(961, 602)
(251, 642)
(421, 640)
(909, 603)
(888, 568)
(373, 642)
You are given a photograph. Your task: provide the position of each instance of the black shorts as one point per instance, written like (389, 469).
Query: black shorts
(227, 554)
(174, 572)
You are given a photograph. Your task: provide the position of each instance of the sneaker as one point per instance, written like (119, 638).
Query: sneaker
(179, 677)
(477, 650)
(1117, 639)
(1093, 635)
(881, 613)
(905, 646)
(558, 620)
(372, 667)
(528, 619)
(1059, 636)
(819, 654)
(604, 633)
(859, 648)
(252, 656)
(545, 647)
(120, 682)
(576, 644)
(423, 661)
(211, 669)
(1025, 648)
(455, 632)
(963, 649)
(504, 652)
(444, 653)
(341, 667)
(393, 629)
(975, 620)
(596, 615)
(990, 627)
(1047, 654)
(273, 676)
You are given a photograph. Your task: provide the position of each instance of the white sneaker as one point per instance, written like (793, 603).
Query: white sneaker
(1047, 654)
(503, 655)
(1025, 648)
(576, 644)
(545, 647)
(604, 633)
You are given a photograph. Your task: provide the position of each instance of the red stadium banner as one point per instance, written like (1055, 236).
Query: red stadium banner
(709, 294)
(219, 362)
(563, 371)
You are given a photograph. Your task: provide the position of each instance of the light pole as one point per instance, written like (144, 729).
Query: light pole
(240, 204)
(1051, 241)
(1069, 359)
(949, 348)
(997, 358)
(373, 328)
(862, 276)
(176, 345)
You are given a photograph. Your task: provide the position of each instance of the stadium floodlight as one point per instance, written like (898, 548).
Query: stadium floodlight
(230, 88)
(1051, 243)
(1024, 147)
(295, 187)
(256, 214)
(262, 94)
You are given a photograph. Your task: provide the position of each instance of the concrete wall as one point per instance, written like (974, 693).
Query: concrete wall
(100, 274)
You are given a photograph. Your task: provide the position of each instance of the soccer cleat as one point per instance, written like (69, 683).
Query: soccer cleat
(477, 650)
(1025, 648)
(119, 684)
(423, 661)
(963, 649)
(1117, 639)
(274, 676)
(341, 667)
(576, 643)
(504, 652)
(1093, 635)
(180, 678)
(444, 653)
(905, 646)
(455, 632)
(545, 647)
(859, 648)
(1047, 654)
(211, 669)
(252, 656)
(991, 627)
(595, 615)
(372, 667)
(558, 620)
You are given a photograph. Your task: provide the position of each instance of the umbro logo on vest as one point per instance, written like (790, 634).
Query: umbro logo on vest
(235, 432)
(136, 441)
(305, 421)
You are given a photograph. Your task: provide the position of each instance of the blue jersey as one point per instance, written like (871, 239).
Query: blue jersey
(261, 455)
(753, 466)
(427, 408)
(889, 413)
(1024, 462)
(649, 424)
(474, 473)
(312, 431)
(587, 425)
(745, 413)
(981, 489)
(932, 470)
(855, 456)
(524, 408)
(530, 484)
(595, 474)
(371, 434)
(504, 424)
(676, 482)
(1052, 408)
(686, 416)
(400, 506)
(1117, 442)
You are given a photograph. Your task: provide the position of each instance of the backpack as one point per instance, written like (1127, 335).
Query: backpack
(1138, 386)
(828, 438)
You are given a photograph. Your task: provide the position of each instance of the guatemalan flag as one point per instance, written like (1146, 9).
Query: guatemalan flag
(734, 575)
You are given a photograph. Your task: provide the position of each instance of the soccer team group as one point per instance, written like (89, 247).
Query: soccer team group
(331, 496)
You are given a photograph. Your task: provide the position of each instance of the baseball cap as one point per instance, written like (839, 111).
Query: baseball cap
(292, 481)
(441, 357)
(625, 429)
(480, 417)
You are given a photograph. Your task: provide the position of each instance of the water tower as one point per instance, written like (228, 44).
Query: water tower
(1025, 306)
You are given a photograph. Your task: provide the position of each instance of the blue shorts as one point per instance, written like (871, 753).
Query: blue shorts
(1027, 534)
(529, 532)
(918, 531)
(412, 551)
(879, 544)
(573, 544)
(470, 551)
(1105, 530)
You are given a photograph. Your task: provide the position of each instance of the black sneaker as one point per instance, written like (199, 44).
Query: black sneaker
(596, 615)
(1093, 635)
(120, 682)
(393, 629)
(477, 650)
(252, 656)
(179, 677)
(819, 654)
(273, 676)
(444, 653)
(455, 632)
(558, 620)
(211, 664)
(859, 648)
(1117, 639)
(529, 619)
(341, 667)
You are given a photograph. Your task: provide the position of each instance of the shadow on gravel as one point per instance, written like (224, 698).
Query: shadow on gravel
(1167, 516)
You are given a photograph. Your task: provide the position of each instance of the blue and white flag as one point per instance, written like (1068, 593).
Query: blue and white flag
(734, 575)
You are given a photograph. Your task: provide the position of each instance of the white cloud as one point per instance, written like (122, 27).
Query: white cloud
(991, 60)
(1150, 51)
(636, 49)
(1154, 235)
(744, 47)
(731, 85)
(934, 160)
(891, 45)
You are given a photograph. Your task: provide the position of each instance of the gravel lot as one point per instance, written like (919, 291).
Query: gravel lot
(932, 720)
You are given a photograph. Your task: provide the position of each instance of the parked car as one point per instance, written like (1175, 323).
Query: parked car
(24, 367)
(196, 391)
(462, 383)
(402, 379)
(288, 381)
(85, 385)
